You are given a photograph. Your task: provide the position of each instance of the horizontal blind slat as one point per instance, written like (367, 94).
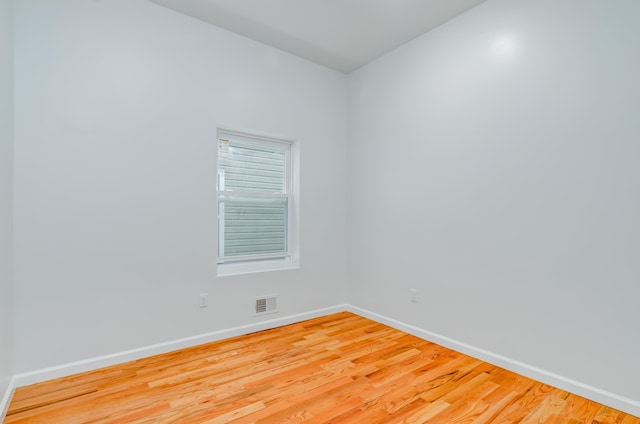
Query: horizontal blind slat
(249, 167)
(254, 225)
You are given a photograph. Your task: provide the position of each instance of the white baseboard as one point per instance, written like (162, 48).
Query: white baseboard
(6, 399)
(604, 397)
(64, 370)
(622, 403)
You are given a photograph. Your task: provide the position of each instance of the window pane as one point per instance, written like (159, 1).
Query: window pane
(251, 167)
(253, 226)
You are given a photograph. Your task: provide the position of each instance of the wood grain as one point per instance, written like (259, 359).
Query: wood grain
(336, 369)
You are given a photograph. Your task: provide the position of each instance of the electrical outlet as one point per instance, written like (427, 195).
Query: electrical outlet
(204, 300)
(413, 295)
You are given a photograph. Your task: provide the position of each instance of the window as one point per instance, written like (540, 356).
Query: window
(255, 203)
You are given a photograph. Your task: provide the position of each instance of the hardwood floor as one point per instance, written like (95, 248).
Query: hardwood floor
(337, 369)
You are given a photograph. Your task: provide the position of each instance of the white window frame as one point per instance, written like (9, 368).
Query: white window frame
(267, 262)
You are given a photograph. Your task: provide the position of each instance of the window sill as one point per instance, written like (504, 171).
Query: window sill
(239, 268)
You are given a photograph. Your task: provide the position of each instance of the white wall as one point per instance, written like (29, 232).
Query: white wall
(6, 194)
(494, 167)
(117, 104)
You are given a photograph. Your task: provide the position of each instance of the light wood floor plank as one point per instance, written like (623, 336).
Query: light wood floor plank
(340, 368)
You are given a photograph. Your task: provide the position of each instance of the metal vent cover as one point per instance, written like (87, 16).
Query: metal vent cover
(266, 305)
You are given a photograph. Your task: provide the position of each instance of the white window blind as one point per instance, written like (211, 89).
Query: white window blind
(254, 188)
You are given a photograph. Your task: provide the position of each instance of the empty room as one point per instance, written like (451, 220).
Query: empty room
(319, 211)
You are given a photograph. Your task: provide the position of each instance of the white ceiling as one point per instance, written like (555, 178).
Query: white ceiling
(340, 34)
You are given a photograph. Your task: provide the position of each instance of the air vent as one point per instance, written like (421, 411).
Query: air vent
(266, 305)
